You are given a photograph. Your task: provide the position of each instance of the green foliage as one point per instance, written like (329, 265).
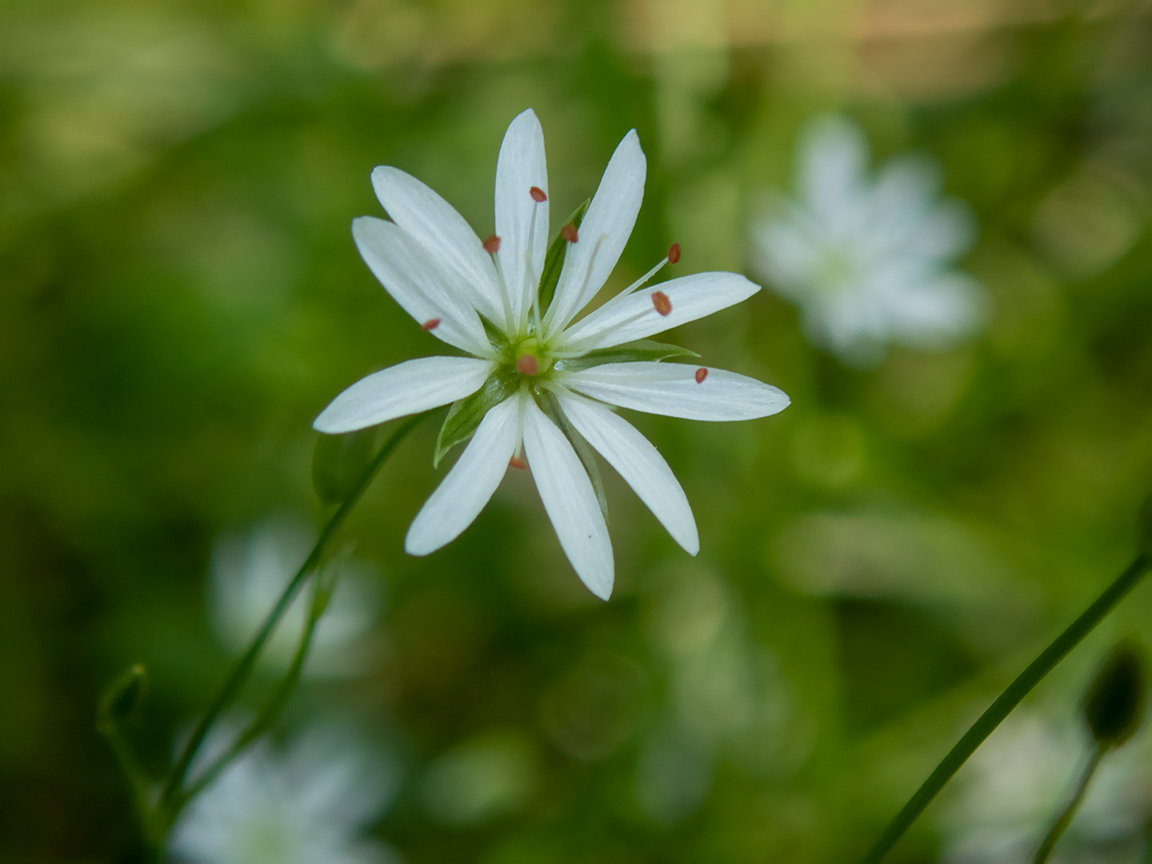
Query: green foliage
(181, 297)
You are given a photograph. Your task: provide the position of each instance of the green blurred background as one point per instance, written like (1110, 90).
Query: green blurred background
(181, 296)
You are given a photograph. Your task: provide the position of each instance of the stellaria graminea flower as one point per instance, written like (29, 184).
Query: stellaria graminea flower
(310, 803)
(868, 262)
(536, 384)
(250, 570)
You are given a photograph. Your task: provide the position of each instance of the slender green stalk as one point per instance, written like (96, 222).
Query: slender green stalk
(1073, 804)
(1005, 704)
(243, 668)
(139, 783)
(265, 719)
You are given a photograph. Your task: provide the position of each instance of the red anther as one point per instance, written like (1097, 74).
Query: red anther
(431, 324)
(538, 195)
(701, 374)
(526, 364)
(517, 462)
(492, 245)
(674, 254)
(662, 303)
(568, 232)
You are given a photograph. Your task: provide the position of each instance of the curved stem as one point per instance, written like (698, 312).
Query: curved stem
(245, 664)
(264, 720)
(1005, 703)
(1070, 808)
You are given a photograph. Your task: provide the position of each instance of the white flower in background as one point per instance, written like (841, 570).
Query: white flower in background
(868, 261)
(249, 571)
(541, 385)
(307, 804)
(1005, 798)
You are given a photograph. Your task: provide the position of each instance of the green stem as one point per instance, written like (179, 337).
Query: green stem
(245, 664)
(264, 720)
(1073, 804)
(1005, 703)
(139, 783)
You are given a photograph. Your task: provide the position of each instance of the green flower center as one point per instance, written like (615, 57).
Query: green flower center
(530, 359)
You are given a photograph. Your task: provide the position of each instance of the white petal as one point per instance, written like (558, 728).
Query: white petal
(833, 163)
(635, 316)
(522, 245)
(408, 272)
(935, 311)
(570, 501)
(638, 462)
(459, 499)
(603, 233)
(672, 389)
(407, 388)
(438, 227)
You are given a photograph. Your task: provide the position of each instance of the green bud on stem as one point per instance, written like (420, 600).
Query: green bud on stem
(1114, 704)
(1144, 528)
(121, 700)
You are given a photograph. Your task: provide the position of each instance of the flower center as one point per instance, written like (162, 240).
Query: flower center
(532, 358)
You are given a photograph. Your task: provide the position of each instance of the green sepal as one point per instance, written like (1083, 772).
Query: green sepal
(338, 462)
(641, 349)
(121, 700)
(465, 414)
(553, 411)
(554, 260)
(495, 336)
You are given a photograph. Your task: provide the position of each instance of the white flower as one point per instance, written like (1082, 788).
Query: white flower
(1007, 795)
(250, 570)
(309, 804)
(543, 383)
(868, 262)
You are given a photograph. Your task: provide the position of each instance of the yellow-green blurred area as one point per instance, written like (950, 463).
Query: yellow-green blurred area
(180, 296)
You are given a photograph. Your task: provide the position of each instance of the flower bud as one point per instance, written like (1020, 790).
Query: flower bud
(1144, 528)
(121, 700)
(338, 463)
(1114, 704)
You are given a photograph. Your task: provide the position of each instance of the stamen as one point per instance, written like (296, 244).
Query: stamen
(568, 232)
(430, 325)
(526, 364)
(492, 245)
(674, 254)
(662, 303)
(529, 301)
(517, 462)
(701, 374)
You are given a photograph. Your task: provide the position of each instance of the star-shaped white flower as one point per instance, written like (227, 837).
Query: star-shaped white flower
(249, 572)
(868, 261)
(537, 384)
(309, 803)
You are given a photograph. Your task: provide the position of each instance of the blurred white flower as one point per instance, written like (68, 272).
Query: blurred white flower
(538, 382)
(1007, 796)
(307, 804)
(868, 261)
(250, 569)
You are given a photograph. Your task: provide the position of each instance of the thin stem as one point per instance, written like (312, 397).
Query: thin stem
(245, 664)
(1005, 703)
(267, 717)
(1073, 804)
(138, 781)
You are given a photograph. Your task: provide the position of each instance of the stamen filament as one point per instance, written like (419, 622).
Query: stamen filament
(530, 304)
(671, 258)
(504, 300)
(549, 319)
